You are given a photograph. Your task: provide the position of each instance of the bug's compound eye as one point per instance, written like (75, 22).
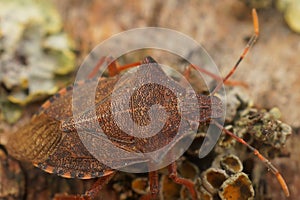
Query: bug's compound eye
(142, 119)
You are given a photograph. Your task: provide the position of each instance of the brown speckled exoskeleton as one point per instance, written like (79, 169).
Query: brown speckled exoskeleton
(50, 140)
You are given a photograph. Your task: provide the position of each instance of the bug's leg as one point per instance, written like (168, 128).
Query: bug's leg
(244, 53)
(187, 72)
(187, 183)
(113, 68)
(154, 187)
(98, 185)
(266, 162)
(127, 66)
(90, 194)
(242, 56)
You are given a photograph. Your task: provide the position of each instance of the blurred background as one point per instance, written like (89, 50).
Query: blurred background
(42, 43)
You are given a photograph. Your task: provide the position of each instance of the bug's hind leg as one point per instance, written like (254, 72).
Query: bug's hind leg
(90, 194)
(182, 181)
(98, 185)
(154, 187)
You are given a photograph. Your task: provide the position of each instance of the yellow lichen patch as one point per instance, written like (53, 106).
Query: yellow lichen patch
(225, 140)
(188, 170)
(34, 51)
(140, 185)
(237, 187)
(213, 178)
(204, 194)
(291, 11)
(231, 163)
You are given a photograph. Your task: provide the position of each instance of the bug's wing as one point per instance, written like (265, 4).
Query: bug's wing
(44, 144)
(36, 140)
(72, 160)
(91, 159)
(40, 137)
(54, 150)
(60, 105)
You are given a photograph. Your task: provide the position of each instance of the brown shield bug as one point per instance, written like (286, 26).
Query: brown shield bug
(50, 140)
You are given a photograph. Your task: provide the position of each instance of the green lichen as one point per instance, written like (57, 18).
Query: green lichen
(33, 50)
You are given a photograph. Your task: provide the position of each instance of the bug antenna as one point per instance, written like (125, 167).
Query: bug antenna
(266, 162)
(246, 50)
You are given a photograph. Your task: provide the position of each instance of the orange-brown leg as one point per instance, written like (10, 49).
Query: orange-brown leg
(97, 67)
(113, 68)
(187, 72)
(90, 194)
(267, 163)
(182, 181)
(244, 53)
(98, 185)
(154, 187)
